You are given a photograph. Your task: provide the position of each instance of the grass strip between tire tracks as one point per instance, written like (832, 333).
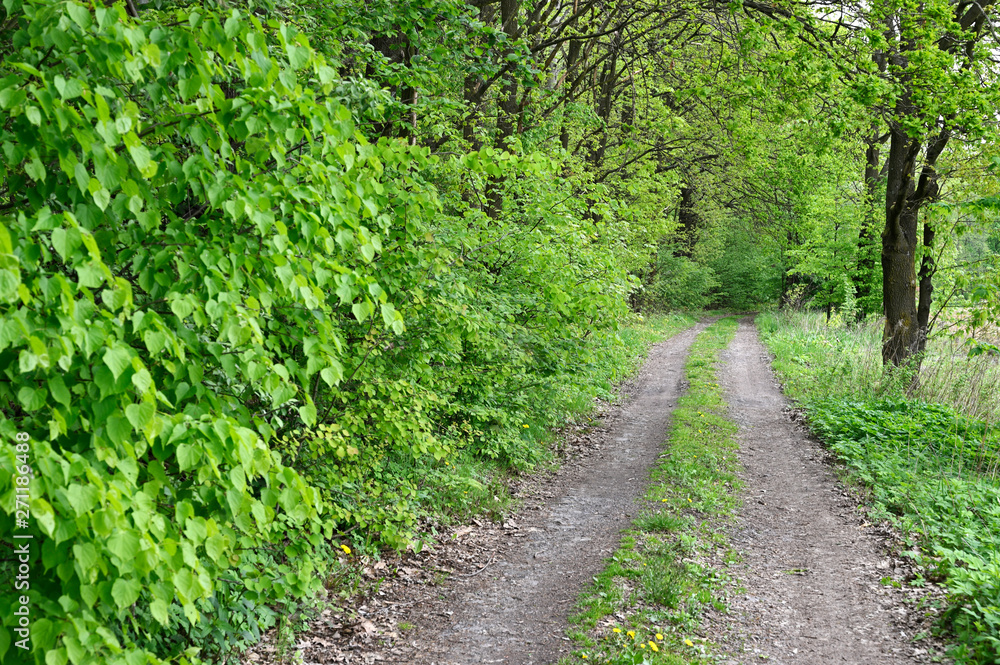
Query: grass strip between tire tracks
(645, 605)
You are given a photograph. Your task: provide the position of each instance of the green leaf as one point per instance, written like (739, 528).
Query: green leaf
(42, 511)
(187, 585)
(125, 592)
(158, 608)
(31, 398)
(155, 340)
(140, 155)
(9, 281)
(118, 359)
(124, 544)
(188, 456)
(119, 429)
(102, 197)
(59, 390)
(140, 414)
(35, 169)
(79, 14)
(86, 556)
(189, 87)
(89, 275)
(308, 414)
(361, 311)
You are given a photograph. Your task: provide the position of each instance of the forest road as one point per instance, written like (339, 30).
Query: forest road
(515, 612)
(810, 567)
(809, 564)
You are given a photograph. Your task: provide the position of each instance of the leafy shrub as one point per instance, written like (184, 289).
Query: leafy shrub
(682, 283)
(233, 328)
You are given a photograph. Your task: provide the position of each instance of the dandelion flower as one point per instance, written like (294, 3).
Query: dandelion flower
(652, 645)
(642, 645)
(582, 655)
(347, 550)
(526, 427)
(688, 642)
(659, 636)
(616, 630)
(631, 633)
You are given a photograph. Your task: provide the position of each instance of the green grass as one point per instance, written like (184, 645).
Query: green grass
(653, 579)
(928, 460)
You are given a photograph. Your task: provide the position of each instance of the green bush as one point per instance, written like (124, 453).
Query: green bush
(233, 328)
(682, 283)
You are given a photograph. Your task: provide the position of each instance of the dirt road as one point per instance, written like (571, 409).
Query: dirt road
(810, 565)
(810, 569)
(516, 613)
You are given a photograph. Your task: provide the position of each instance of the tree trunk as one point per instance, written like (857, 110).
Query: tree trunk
(507, 107)
(899, 245)
(867, 237)
(688, 220)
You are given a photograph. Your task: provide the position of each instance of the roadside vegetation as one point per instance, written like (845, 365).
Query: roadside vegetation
(645, 605)
(927, 456)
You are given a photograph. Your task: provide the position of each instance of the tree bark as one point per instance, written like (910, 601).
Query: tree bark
(688, 219)
(899, 245)
(507, 108)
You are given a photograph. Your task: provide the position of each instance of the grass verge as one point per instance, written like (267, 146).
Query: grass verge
(645, 606)
(928, 462)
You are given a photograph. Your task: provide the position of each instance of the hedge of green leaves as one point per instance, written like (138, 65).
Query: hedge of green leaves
(232, 327)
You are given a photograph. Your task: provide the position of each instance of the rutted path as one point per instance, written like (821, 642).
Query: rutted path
(501, 593)
(516, 612)
(811, 568)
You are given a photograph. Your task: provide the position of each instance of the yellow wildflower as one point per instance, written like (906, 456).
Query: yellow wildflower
(347, 550)
(616, 630)
(652, 645)
(526, 427)
(688, 642)
(659, 636)
(631, 633)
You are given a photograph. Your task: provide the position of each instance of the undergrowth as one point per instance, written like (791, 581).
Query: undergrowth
(470, 484)
(928, 458)
(645, 605)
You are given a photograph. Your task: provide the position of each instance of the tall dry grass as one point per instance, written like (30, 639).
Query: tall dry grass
(850, 362)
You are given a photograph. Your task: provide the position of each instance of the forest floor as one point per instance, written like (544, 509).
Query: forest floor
(811, 569)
